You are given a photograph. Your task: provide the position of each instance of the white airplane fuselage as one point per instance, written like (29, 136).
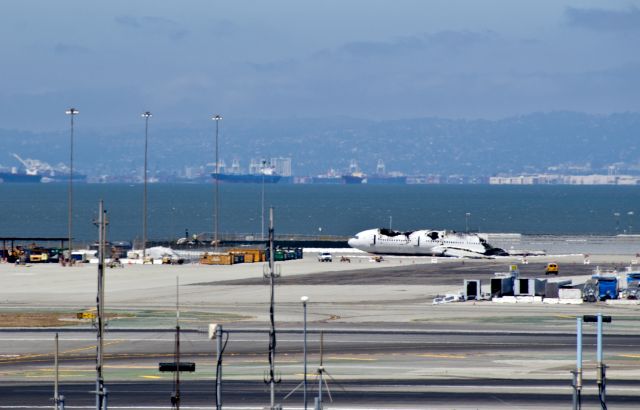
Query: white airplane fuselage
(423, 242)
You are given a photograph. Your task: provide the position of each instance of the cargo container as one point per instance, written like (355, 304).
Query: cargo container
(216, 259)
(279, 255)
(250, 255)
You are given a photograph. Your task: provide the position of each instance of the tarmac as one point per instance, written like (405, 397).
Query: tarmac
(379, 320)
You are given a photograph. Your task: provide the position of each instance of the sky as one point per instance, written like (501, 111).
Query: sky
(371, 59)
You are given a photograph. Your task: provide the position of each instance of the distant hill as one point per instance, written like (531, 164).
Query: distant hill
(528, 143)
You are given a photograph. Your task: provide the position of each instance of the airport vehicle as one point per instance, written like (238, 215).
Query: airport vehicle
(424, 242)
(633, 290)
(325, 257)
(600, 288)
(552, 269)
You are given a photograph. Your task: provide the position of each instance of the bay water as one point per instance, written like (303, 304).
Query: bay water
(28, 210)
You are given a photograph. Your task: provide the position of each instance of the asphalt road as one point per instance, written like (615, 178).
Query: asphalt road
(370, 369)
(451, 273)
(405, 394)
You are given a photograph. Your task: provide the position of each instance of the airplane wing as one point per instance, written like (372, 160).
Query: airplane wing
(462, 253)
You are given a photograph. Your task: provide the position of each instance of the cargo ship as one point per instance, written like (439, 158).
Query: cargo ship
(247, 178)
(381, 177)
(36, 171)
(19, 177)
(386, 180)
(259, 173)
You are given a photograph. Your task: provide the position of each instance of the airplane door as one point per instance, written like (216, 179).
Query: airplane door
(374, 240)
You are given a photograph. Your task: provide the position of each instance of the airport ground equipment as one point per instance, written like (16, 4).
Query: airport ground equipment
(529, 287)
(472, 289)
(607, 287)
(552, 269)
(633, 277)
(551, 289)
(502, 287)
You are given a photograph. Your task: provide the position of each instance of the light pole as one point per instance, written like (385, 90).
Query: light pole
(630, 213)
(146, 115)
(466, 217)
(216, 213)
(264, 164)
(71, 112)
(617, 216)
(304, 301)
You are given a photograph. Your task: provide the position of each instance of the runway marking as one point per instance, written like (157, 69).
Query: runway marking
(151, 377)
(443, 355)
(631, 356)
(19, 358)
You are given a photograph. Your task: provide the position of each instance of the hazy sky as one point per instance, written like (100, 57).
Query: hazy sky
(362, 58)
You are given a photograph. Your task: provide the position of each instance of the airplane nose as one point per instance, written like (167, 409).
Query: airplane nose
(352, 242)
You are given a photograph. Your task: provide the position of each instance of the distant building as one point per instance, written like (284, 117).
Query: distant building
(559, 179)
(282, 166)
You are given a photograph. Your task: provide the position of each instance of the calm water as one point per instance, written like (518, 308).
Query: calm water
(41, 209)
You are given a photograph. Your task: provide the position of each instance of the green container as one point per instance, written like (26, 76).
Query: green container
(279, 255)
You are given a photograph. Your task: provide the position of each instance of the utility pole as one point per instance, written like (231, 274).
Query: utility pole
(71, 112)
(175, 398)
(304, 300)
(216, 217)
(262, 170)
(272, 275)
(101, 391)
(216, 332)
(577, 374)
(58, 399)
(320, 372)
(146, 115)
(219, 349)
(602, 368)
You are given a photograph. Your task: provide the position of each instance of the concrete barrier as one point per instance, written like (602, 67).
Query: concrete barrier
(570, 301)
(622, 302)
(505, 299)
(551, 301)
(565, 293)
